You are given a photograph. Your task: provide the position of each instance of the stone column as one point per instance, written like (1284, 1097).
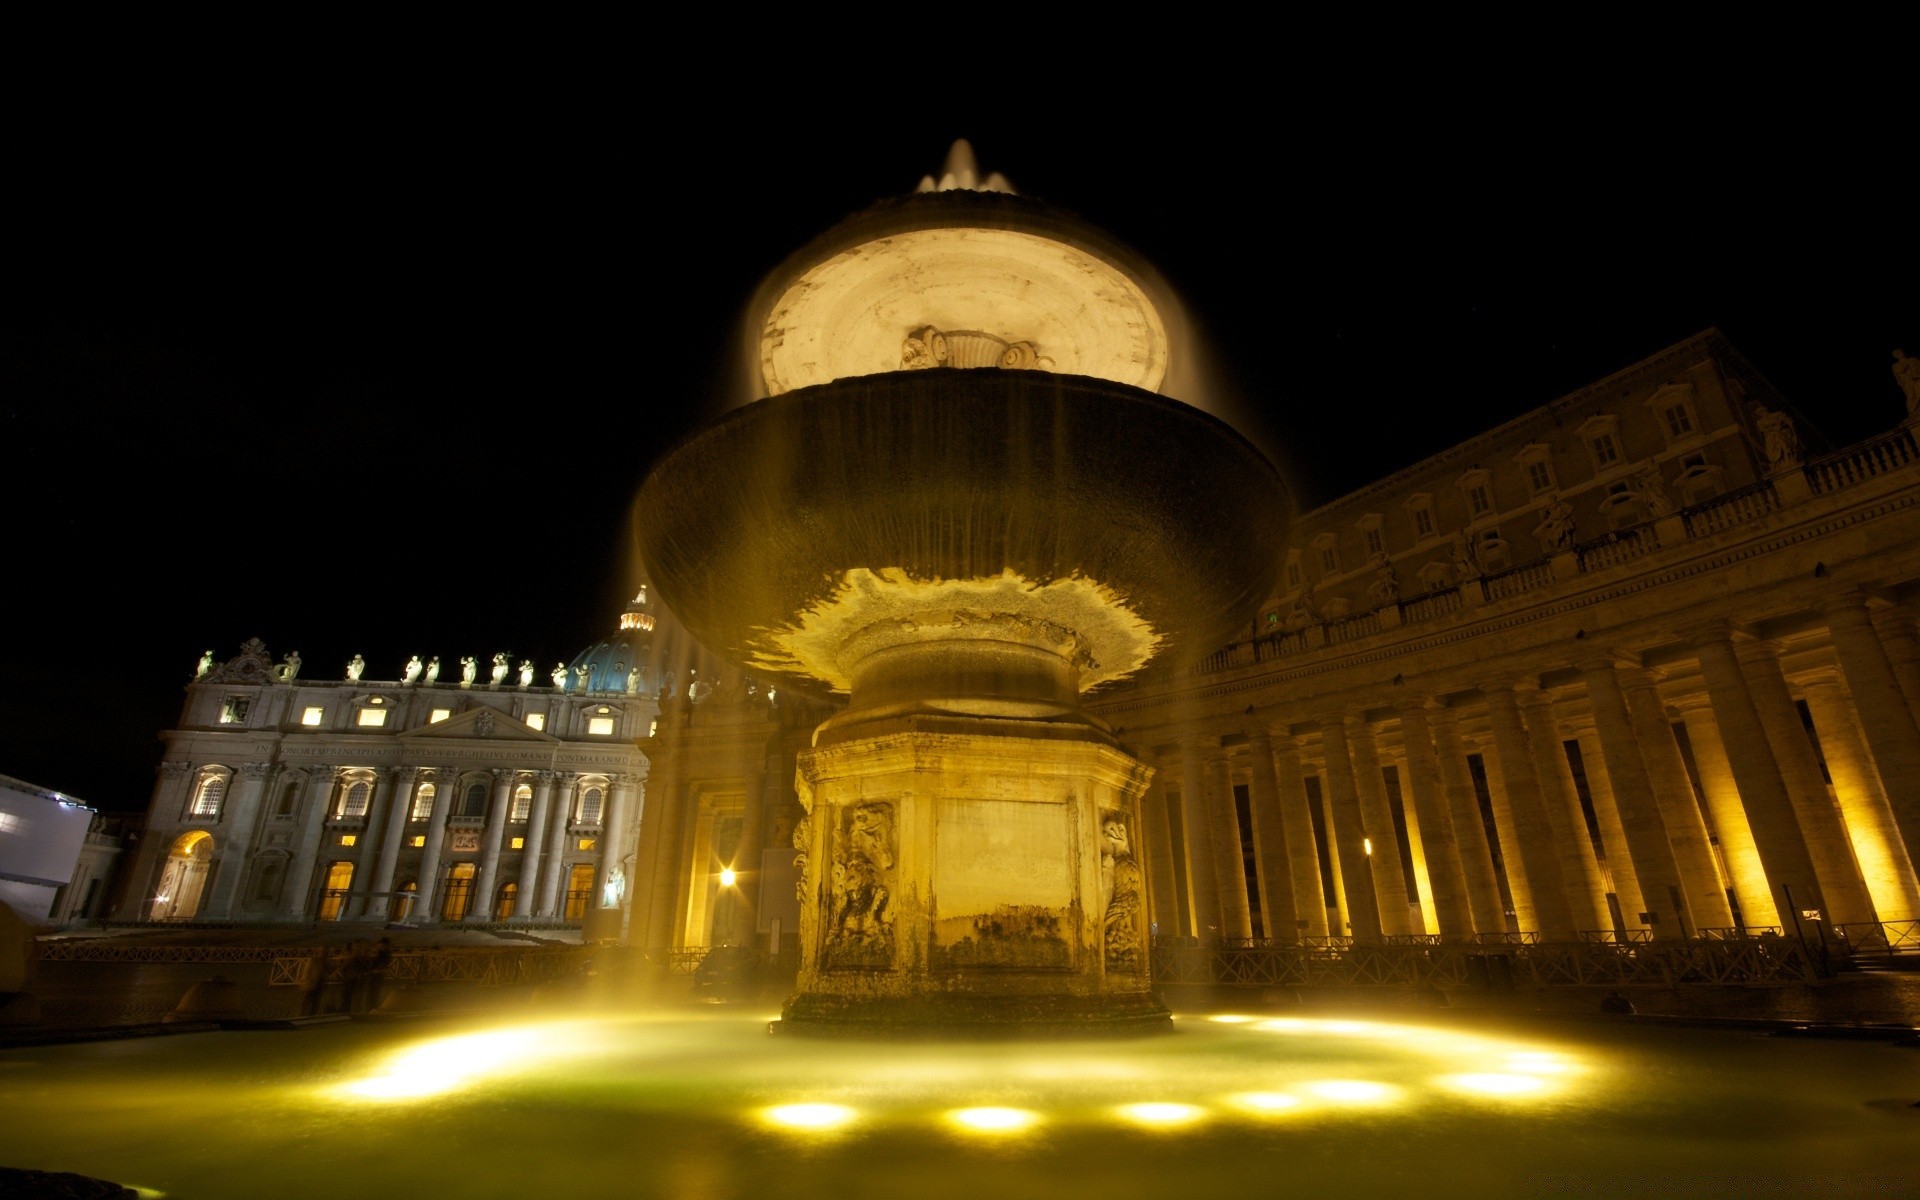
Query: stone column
(1453, 912)
(481, 909)
(432, 869)
(1583, 886)
(1884, 716)
(294, 901)
(1615, 861)
(237, 819)
(1726, 815)
(1346, 831)
(549, 904)
(1895, 627)
(1389, 881)
(1885, 864)
(1534, 834)
(1230, 853)
(398, 785)
(1303, 857)
(529, 881)
(669, 866)
(1824, 851)
(1525, 918)
(1279, 918)
(1687, 833)
(1763, 793)
(1420, 909)
(1196, 828)
(1162, 883)
(753, 819)
(1645, 832)
(1469, 829)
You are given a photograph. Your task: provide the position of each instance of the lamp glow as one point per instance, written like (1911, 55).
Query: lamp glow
(809, 1116)
(727, 877)
(993, 1120)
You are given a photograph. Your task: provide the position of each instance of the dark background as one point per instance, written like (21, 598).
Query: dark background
(352, 368)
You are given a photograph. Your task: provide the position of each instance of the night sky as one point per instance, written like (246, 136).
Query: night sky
(383, 378)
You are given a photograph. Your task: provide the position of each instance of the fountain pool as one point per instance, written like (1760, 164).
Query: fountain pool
(708, 1106)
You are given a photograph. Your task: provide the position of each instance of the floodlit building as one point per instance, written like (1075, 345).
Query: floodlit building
(56, 854)
(1632, 665)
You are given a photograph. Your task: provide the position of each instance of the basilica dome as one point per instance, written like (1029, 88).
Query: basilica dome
(611, 661)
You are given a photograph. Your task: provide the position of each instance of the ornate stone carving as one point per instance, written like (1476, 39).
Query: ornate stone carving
(500, 669)
(251, 665)
(559, 676)
(469, 670)
(433, 669)
(1385, 588)
(175, 770)
(1120, 883)
(205, 665)
(355, 665)
(526, 672)
(1652, 493)
(1555, 530)
(501, 774)
(255, 770)
(1779, 439)
(412, 672)
(1465, 566)
(802, 836)
(1906, 373)
(931, 347)
(860, 923)
(289, 668)
(483, 724)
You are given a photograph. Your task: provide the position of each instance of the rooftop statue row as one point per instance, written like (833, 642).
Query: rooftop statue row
(252, 665)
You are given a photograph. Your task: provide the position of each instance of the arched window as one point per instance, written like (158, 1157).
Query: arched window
(289, 800)
(404, 898)
(457, 890)
(333, 896)
(503, 907)
(353, 801)
(423, 802)
(579, 891)
(209, 793)
(522, 802)
(474, 804)
(589, 813)
(183, 878)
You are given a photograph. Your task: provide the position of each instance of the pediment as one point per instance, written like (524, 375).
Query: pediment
(480, 723)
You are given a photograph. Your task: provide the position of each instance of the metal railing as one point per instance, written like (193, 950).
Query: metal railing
(1875, 938)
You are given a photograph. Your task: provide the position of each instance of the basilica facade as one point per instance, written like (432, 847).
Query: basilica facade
(1635, 666)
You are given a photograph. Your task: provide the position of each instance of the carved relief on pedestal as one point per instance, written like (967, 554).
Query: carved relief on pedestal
(802, 837)
(931, 347)
(860, 915)
(1120, 885)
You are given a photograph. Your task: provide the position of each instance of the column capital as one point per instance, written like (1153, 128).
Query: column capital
(1640, 679)
(547, 778)
(1425, 705)
(400, 771)
(1849, 607)
(174, 769)
(503, 774)
(1751, 650)
(255, 770)
(1611, 662)
(1715, 630)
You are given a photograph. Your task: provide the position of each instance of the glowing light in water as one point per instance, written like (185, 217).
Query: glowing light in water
(1230, 1019)
(809, 1116)
(993, 1120)
(1352, 1091)
(1161, 1114)
(446, 1063)
(1494, 1084)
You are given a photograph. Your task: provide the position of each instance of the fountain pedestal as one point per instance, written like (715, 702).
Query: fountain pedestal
(972, 881)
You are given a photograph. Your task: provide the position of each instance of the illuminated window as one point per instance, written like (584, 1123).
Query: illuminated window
(600, 726)
(589, 811)
(438, 715)
(416, 841)
(372, 716)
(312, 715)
(519, 843)
(585, 844)
(234, 711)
(353, 804)
(522, 802)
(211, 791)
(349, 839)
(423, 802)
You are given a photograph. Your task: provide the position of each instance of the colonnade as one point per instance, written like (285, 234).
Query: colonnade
(1729, 783)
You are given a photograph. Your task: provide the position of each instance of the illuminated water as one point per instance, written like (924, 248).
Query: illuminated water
(711, 1107)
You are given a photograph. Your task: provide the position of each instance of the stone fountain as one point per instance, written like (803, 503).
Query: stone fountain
(963, 503)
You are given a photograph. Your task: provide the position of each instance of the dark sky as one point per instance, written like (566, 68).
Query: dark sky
(384, 377)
